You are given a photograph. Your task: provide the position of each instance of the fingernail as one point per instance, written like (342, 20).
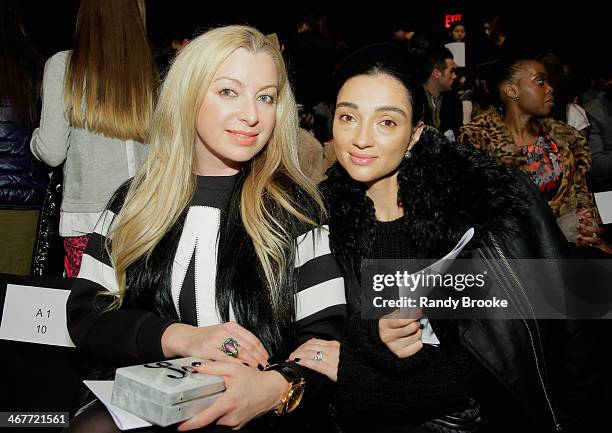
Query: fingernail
(421, 326)
(297, 359)
(196, 364)
(260, 367)
(580, 220)
(245, 364)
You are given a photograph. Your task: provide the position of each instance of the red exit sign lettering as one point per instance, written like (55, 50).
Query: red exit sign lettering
(449, 19)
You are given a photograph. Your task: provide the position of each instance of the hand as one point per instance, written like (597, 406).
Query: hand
(248, 394)
(328, 365)
(589, 228)
(401, 336)
(181, 340)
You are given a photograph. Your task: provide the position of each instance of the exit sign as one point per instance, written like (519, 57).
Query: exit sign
(449, 19)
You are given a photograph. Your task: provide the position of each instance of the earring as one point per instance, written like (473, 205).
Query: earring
(408, 154)
(514, 98)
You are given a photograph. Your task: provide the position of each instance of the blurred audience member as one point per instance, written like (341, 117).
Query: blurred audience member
(599, 111)
(443, 109)
(22, 178)
(566, 108)
(97, 102)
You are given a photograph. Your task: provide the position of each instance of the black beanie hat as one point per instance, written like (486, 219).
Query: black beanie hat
(384, 58)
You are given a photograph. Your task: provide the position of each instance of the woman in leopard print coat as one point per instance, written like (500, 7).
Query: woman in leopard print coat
(554, 154)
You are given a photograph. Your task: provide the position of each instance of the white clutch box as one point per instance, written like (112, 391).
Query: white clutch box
(165, 392)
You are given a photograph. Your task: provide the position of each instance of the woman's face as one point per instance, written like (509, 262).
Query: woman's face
(238, 114)
(535, 95)
(372, 126)
(458, 34)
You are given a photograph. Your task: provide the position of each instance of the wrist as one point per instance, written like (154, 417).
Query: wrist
(173, 339)
(293, 394)
(279, 385)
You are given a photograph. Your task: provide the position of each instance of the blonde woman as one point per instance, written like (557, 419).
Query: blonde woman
(97, 103)
(216, 246)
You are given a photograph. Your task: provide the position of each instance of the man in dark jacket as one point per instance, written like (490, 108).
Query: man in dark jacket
(443, 109)
(599, 111)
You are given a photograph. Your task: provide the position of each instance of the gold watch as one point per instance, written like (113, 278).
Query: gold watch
(292, 398)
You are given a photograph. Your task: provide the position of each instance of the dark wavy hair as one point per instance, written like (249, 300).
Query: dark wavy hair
(389, 59)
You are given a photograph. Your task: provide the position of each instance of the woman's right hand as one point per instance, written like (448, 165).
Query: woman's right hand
(401, 336)
(590, 231)
(181, 340)
(589, 228)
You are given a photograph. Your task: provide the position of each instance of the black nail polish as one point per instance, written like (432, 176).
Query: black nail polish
(196, 364)
(421, 326)
(297, 359)
(260, 367)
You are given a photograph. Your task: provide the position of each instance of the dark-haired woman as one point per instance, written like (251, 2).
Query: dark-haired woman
(402, 192)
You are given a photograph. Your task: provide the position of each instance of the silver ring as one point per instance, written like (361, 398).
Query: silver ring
(318, 356)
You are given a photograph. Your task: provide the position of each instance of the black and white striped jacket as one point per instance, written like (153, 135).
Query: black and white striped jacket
(132, 335)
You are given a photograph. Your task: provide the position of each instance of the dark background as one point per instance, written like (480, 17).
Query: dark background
(578, 31)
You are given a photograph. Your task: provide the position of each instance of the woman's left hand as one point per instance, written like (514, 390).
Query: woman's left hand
(249, 393)
(325, 363)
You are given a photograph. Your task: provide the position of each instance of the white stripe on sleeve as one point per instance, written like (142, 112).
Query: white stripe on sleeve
(312, 244)
(319, 297)
(96, 271)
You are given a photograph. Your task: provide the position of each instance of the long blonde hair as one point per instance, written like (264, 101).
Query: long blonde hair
(110, 76)
(164, 186)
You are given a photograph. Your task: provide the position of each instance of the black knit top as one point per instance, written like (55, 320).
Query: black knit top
(436, 381)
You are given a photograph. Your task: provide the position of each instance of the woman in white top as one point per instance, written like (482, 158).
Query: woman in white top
(97, 102)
